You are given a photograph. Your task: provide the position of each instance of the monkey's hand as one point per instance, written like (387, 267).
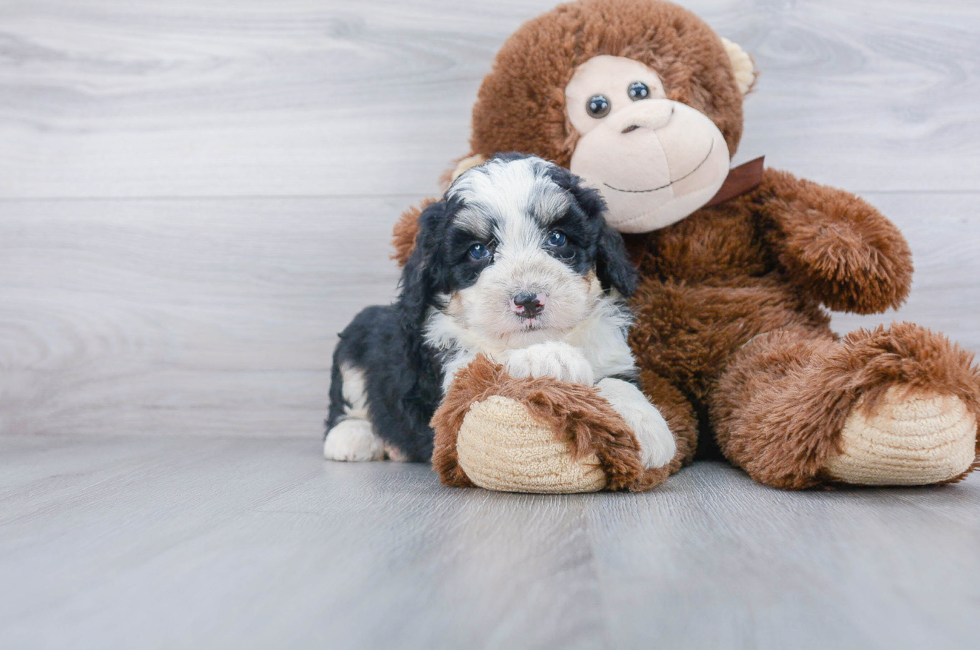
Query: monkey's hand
(834, 245)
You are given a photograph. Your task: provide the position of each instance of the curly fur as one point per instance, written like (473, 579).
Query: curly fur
(393, 362)
(804, 385)
(406, 230)
(575, 412)
(520, 105)
(732, 333)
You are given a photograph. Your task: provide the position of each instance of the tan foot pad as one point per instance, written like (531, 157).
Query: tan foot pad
(501, 448)
(913, 439)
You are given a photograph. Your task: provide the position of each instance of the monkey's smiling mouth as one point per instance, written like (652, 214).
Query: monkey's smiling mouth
(676, 180)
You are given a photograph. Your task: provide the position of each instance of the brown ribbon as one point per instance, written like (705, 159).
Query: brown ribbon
(740, 180)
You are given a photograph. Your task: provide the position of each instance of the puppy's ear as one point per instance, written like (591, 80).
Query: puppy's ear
(613, 265)
(420, 277)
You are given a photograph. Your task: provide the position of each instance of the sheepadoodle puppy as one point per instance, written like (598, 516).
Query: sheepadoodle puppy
(515, 262)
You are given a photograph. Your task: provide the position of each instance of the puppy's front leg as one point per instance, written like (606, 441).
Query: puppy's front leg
(657, 445)
(552, 359)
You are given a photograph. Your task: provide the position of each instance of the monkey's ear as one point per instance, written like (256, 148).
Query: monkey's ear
(420, 279)
(469, 162)
(405, 230)
(745, 72)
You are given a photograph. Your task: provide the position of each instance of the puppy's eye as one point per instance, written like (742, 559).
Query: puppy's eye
(638, 90)
(479, 252)
(556, 238)
(598, 106)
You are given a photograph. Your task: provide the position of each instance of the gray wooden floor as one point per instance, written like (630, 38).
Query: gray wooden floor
(196, 195)
(171, 542)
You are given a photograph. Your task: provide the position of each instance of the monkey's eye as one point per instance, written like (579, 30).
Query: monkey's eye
(638, 90)
(556, 238)
(598, 106)
(479, 252)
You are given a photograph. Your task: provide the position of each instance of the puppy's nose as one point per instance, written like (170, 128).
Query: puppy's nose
(528, 305)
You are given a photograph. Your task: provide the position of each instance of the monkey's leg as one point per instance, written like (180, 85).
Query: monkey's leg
(896, 406)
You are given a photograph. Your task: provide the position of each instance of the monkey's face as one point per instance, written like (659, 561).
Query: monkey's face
(654, 160)
(640, 98)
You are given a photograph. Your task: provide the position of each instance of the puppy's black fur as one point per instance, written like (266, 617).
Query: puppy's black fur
(403, 378)
(403, 374)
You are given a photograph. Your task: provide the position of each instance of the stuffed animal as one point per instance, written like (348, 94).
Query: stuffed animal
(737, 271)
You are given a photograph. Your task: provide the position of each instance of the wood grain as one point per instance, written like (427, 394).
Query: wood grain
(299, 98)
(195, 196)
(221, 543)
(207, 188)
(219, 317)
(169, 317)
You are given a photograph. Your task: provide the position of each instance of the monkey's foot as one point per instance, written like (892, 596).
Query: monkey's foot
(906, 438)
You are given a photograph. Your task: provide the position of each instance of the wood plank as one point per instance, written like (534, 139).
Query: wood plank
(296, 98)
(196, 196)
(742, 565)
(219, 317)
(191, 542)
(170, 317)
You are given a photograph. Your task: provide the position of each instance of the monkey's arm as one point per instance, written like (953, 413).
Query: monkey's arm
(834, 245)
(405, 230)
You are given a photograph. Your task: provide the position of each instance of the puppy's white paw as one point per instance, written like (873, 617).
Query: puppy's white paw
(657, 444)
(353, 440)
(551, 359)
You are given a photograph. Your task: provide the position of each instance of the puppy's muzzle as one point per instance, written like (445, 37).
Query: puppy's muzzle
(527, 304)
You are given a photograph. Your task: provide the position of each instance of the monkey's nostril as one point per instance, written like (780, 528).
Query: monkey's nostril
(631, 128)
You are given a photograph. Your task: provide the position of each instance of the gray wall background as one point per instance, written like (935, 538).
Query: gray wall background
(195, 196)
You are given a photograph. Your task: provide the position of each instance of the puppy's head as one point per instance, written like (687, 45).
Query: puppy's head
(516, 251)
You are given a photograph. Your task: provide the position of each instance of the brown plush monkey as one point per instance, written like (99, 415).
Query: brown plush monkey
(644, 101)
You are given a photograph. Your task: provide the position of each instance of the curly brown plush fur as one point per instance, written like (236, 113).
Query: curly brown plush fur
(521, 105)
(405, 231)
(724, 275)
(575, 412)
(731, 332)
(804, 386)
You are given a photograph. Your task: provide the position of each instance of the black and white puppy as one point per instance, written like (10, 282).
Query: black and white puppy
(515, 262)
